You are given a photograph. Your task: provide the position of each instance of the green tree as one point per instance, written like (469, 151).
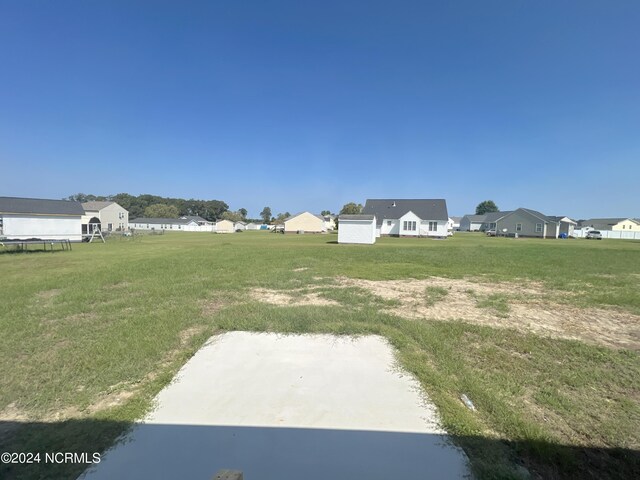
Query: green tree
(161, 210)
(282, 217)
(351, 209)
(233, 216)
(487, 206)
(325, 212)
(243, 212)
(265, 214)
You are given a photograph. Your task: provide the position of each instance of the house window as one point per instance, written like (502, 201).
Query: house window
(433, 226)
(409, 226)
(538, 227)
(623, 226)
(518, 227)
(388, 223)
(109, 226)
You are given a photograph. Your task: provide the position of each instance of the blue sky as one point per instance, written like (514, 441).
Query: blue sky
(310, 105)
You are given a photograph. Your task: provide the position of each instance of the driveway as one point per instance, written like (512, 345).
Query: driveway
(288, 407)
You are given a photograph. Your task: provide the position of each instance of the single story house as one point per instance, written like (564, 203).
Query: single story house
(240, 226)
(330, 222)
(454, 223)
(471, 223)
(357, 229)
(614, 224)
(409, 217)
(525, 222)
(25, 218)
(146, 223)
(109, 215)
(304, 222)
(225, 226)
(198, 219)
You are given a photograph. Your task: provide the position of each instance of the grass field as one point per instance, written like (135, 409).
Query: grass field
(542, 335)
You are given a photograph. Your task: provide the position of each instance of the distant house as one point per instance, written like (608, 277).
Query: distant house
(225, 226)
(409, 218)
(147, 223)
(481, 223)
(454, 223)
(525, 222)
(25, 218)
(614, 224)
(357, 229)
(329, 222)
(305, 222)
(240, 226)
(254, 226)
(109, 215)
(198, 219)
(471, 223)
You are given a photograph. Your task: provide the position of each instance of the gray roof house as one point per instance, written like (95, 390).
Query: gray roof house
(526, 222)
(409, 217)
(481, 223)
(471, 223)
(615, 223)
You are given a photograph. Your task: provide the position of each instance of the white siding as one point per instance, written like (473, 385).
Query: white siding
(441, 228)
(390, 227)
(52, 227)
(409, 218)
(357, 231)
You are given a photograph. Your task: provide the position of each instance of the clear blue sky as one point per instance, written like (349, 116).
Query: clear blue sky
(309, 105)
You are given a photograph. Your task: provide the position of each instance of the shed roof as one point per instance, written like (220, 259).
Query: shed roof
(40, 206)
(425, 209)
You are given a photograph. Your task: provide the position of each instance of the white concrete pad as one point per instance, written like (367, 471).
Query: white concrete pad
(288, 407)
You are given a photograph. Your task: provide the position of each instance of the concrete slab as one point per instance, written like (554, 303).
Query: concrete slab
(288, 407)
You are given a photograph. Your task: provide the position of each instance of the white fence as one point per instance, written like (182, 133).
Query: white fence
(617, 234)
(199, 228)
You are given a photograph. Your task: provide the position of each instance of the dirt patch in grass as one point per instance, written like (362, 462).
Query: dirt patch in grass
(46, 294)
(526, 306)
(291, 297)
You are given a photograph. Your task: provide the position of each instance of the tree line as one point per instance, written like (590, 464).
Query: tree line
(155, 206)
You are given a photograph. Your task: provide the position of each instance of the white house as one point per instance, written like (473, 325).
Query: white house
(177, 224)
(357, 229)
(109, 215)
(330, 222)
(202, 222)
(240, 226)
(25, 218)
(409, 217)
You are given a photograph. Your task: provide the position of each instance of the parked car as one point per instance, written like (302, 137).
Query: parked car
(490, 233)
(594, 235)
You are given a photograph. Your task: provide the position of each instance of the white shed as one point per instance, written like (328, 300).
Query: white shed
(25, 218)
(357, 229)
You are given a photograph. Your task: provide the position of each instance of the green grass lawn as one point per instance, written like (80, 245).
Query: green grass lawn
(88, 337)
